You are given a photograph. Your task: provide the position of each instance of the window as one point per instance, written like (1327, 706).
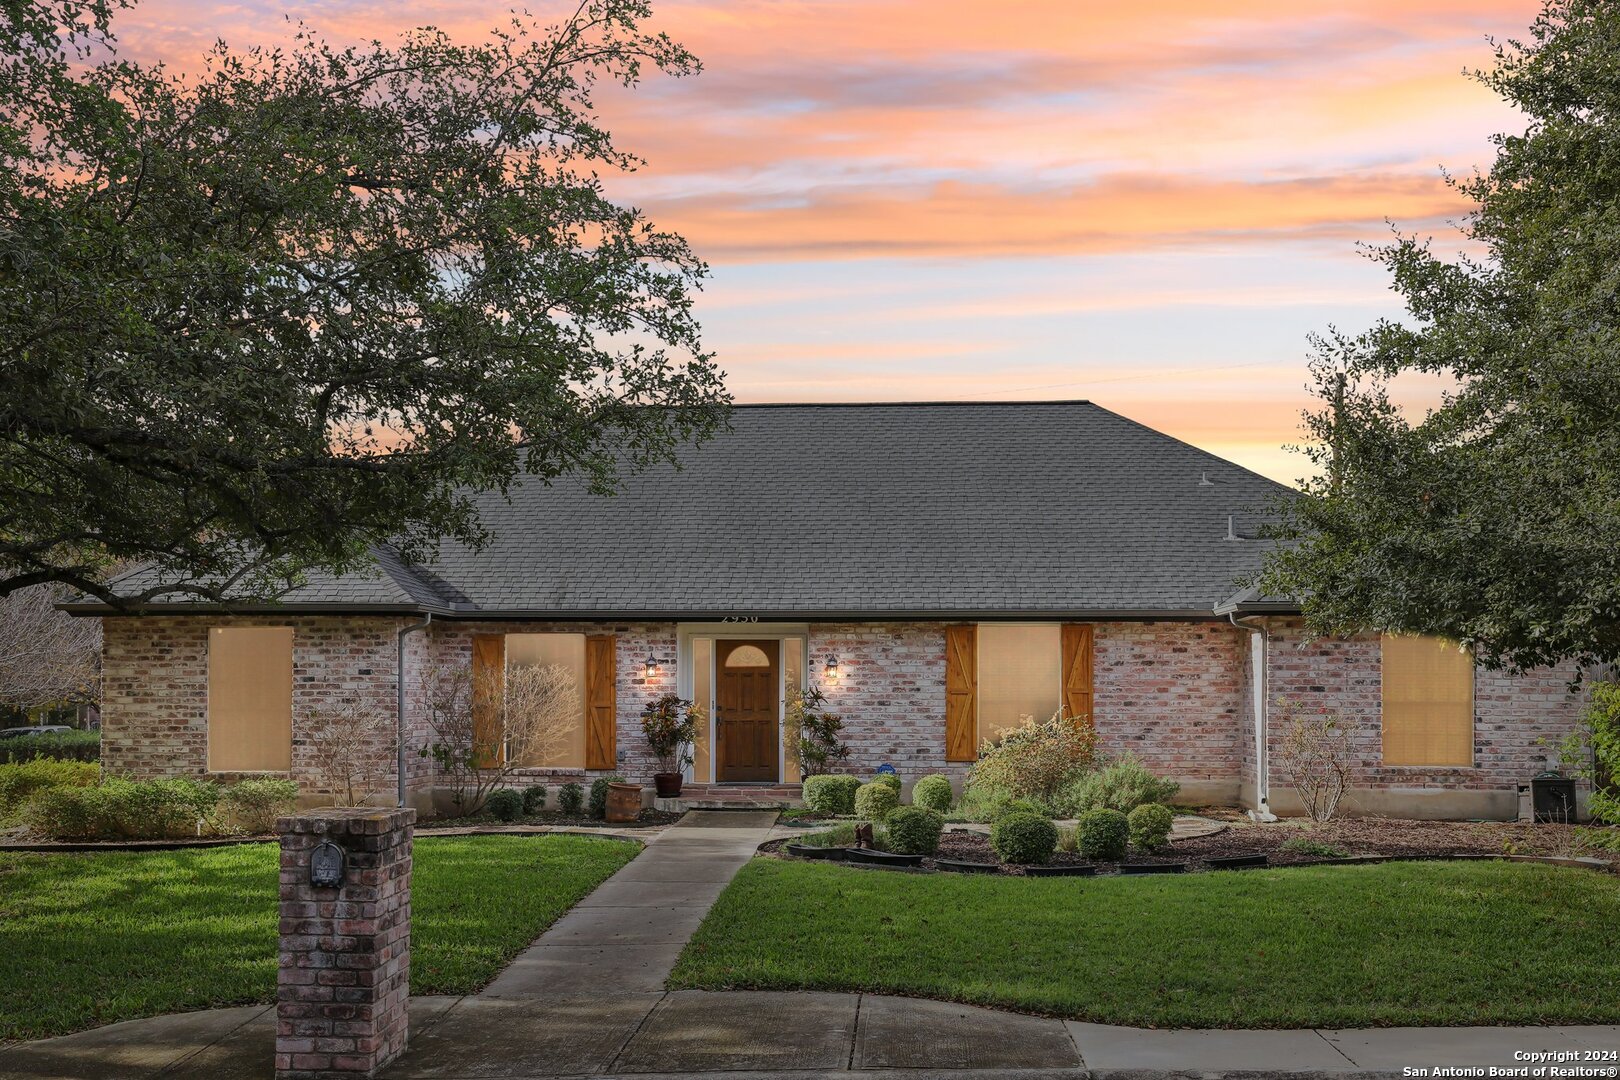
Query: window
(1019, 674)
(565, 749)
(1428, 702)
(250, 675)
(747, 656)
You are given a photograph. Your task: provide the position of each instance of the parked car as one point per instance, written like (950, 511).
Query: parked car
(39, 729)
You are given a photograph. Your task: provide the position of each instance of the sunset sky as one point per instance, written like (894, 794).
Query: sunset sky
(1147, 205)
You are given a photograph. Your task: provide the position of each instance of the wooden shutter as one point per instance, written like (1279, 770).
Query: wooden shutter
(488, 689)
(601, 702)
(1077, 672)
(961, 693)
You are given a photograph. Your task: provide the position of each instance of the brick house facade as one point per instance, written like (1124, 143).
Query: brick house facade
(845, 545)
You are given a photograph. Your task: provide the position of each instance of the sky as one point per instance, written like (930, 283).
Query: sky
(1147, 205)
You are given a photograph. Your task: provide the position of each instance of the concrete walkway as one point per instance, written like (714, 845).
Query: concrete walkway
(791, 1036)
(624, 937)
(587, 999)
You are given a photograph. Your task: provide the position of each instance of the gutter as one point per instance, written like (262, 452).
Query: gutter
(1262, 717)
(399, 702)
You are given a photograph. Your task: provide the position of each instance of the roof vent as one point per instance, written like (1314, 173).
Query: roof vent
(1205, 481)
(1231, 529)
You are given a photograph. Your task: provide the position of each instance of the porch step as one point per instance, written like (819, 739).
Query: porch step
(733, 797)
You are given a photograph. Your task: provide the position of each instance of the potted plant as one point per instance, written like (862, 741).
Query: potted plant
(670, 724)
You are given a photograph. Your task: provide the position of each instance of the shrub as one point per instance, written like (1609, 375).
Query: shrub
(1316, 751)
(875, 801)
(20, 782)
(1068, 841)
(571, 800)
(1036, 761)
(812, 732)
(1024, 838)
(1102, 834)
(61, 745)
(534, 799)
(1150, 826)
(933, 793)
(1603, 727)
(138, 810)
(890, 778)
(253, 805)
(1121, 785)
(599, 794)
(1022, 806)
(831, 794)
(914, 830)
(505, 803)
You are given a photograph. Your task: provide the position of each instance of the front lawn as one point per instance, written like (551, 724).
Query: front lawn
(1348, 946)
(87, 940)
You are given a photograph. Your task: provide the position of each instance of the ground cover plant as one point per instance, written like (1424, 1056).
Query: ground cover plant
(1394, 943)
(87, 940)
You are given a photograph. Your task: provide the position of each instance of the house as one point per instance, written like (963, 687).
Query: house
(939, 570)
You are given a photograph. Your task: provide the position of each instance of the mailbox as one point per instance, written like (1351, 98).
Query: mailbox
(326, 866)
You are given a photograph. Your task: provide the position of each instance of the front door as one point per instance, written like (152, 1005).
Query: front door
(747, 683)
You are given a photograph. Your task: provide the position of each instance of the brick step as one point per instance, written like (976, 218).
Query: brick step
(733, 796)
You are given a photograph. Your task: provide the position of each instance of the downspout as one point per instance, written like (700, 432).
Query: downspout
(1262, 717)
(399, 704)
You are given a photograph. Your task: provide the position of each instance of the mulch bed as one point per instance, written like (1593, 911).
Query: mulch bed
(646, 817)
(1351, 836)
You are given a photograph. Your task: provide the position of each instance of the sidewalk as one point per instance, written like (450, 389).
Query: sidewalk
(799, 1035)
(587, 999)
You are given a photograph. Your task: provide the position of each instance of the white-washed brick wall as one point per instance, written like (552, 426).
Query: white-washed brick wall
(1172, 694)
(155, 671)
(1513, 715)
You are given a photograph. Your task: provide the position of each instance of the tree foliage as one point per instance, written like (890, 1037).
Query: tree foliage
(305, 300)
(1495, 519)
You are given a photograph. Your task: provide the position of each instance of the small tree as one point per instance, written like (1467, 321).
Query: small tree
(350, 746)
(488, 726)
(1317, 751)
(543, 708)
(813, 732)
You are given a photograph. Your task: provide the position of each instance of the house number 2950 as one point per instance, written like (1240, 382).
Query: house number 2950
(740, 618)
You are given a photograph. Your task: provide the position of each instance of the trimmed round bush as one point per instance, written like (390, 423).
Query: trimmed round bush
(599, 794)
(506, 804)
(1022, 806)
(833, 793)
(1024, 838)
(1102, 834)
(875, 801)
(933, 792)
(571, 800)
(534, 799)
(914, 830)
(890, 778)
(1150, 827)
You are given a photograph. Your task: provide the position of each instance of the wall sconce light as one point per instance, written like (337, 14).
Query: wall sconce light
(831, 667)
(652, 667)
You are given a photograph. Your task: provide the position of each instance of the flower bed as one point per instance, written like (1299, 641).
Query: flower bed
(1299, 844)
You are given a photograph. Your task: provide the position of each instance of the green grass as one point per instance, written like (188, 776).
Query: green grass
(87, 940)
(1353, 946)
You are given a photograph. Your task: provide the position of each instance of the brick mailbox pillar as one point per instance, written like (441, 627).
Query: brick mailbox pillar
(343, 987)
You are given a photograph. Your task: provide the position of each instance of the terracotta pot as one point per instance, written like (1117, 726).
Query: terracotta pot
(623, 802)
(668, 784)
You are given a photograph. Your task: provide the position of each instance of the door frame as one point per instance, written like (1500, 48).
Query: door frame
(685, 684)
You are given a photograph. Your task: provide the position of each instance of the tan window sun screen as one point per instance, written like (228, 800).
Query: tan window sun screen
(250, 676)
(1019, 675)
(566, 651)
(1428, 698)
(747, 656)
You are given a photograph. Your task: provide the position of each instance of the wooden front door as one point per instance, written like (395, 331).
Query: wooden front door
(748, 680)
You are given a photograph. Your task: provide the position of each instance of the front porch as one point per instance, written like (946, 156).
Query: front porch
(734, 797)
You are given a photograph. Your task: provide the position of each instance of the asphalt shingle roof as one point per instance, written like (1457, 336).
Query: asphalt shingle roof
(883, 509)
